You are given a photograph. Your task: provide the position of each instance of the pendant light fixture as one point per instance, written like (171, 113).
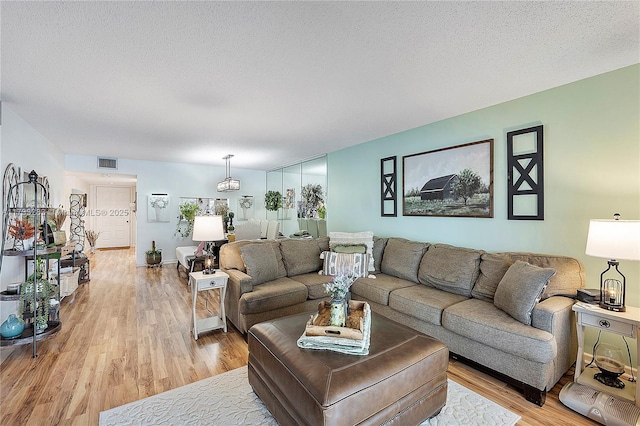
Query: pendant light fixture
(228, 184)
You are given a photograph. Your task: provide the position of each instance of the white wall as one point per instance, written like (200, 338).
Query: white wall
(177, 180)
(22, 145)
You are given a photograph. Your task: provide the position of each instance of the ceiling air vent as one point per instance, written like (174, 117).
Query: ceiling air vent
(107, 163)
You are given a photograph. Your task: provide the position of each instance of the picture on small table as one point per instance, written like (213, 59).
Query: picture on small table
(158, 208)
(455, 181)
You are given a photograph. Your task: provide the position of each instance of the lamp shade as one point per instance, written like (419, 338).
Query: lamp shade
(614, 239)
(208, 228)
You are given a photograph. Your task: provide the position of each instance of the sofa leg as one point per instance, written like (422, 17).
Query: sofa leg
(534, 395)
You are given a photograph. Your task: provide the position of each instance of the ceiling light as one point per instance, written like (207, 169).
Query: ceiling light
(228, 184)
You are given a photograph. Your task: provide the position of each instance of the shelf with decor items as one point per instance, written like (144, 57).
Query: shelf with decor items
(27, 234)
(625, 324)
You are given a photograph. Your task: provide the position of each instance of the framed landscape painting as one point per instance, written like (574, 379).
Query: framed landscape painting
(455, 181)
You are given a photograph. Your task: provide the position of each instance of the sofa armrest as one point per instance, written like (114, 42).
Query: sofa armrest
(241, 281)
(552, 313)
(555, 316)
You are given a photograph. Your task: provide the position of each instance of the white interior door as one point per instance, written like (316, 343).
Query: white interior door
(112, 216)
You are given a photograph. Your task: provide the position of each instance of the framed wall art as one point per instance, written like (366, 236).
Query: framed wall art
(158, 208)
(455, 181)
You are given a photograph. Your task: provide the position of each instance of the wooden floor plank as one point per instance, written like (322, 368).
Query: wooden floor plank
(126, 335)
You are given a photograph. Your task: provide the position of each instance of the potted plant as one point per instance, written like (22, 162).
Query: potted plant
(92, 237)
(39, 310)
(20, 230)
(273, 200)
(59, 217)
(154, 256)
(187, 214)
(312, 198)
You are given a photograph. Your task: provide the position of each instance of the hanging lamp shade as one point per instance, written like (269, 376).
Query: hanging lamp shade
(228, 184)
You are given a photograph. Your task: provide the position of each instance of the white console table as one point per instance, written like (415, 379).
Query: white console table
(200, 282)
(622, 323)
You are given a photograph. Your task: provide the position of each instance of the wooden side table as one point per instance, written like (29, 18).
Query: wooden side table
(622, 323)
(200, 282)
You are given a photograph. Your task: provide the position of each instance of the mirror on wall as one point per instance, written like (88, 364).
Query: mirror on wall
(302, 189)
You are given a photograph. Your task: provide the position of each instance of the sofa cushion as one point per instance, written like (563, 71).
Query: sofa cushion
(231, 258)
(349, 248)
(260, 262)
(342, 238)
(569, 275)
(300, 255)
(402, 257)
(422, 302)
(271, 295)
(323, 243)
(377, 290)
(354, 264)
(378, 249)
(493, 266)
(449, 268)
(315, 284)
(521, 288)
(483, 322)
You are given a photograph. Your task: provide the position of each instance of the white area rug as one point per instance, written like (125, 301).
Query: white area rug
(227, 399)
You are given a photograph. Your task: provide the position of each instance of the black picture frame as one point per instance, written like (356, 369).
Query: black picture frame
(452, 182)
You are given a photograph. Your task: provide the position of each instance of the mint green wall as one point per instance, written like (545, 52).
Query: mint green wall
(591, 170)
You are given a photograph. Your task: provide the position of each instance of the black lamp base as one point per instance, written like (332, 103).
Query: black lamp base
(613, 308)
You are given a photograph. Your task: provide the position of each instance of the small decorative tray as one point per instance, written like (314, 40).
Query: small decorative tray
(318, 324)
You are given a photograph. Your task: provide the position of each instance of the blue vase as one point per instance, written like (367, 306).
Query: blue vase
(12, 327)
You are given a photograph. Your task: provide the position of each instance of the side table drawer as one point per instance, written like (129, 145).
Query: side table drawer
(212, 283)
(608, 325)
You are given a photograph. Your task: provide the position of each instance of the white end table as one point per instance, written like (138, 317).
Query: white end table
(199, 282)
(622, 323)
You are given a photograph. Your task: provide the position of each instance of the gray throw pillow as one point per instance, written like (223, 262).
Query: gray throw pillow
(521, 288)
(260, 262)
(300, 256)
(402, 257)
(493, 266)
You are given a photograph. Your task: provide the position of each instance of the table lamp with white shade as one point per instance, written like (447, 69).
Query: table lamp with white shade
(208, 229)
(614, 240)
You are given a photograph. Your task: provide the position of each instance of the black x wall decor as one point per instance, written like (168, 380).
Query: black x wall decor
(388, 180)
(525, 177)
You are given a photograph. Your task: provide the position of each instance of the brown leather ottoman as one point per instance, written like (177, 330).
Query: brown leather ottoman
(402, 381)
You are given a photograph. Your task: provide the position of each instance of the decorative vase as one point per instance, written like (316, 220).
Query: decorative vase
(12, 327)
(59, 237)
(338, 317)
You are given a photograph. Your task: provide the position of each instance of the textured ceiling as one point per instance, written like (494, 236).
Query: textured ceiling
(278, 82)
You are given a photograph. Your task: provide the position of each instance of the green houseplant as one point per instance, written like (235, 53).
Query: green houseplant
(312, 199)
(188, 212)
(39, 310)
(273, 200)
(154, 256)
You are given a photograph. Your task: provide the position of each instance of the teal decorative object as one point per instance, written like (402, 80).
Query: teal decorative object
(12, 327)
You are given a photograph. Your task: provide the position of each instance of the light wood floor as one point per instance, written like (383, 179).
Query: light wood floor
(126, 336)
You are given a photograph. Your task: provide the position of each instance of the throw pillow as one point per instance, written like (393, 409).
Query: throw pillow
(402, 258)
(493, 266)
(260, 262)
(349, 248)
(300, 256)
(354, 264)
(341, 238)
(449, 268)
(521, 288)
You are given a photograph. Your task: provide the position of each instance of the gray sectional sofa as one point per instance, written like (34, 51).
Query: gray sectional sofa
(507, 313)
